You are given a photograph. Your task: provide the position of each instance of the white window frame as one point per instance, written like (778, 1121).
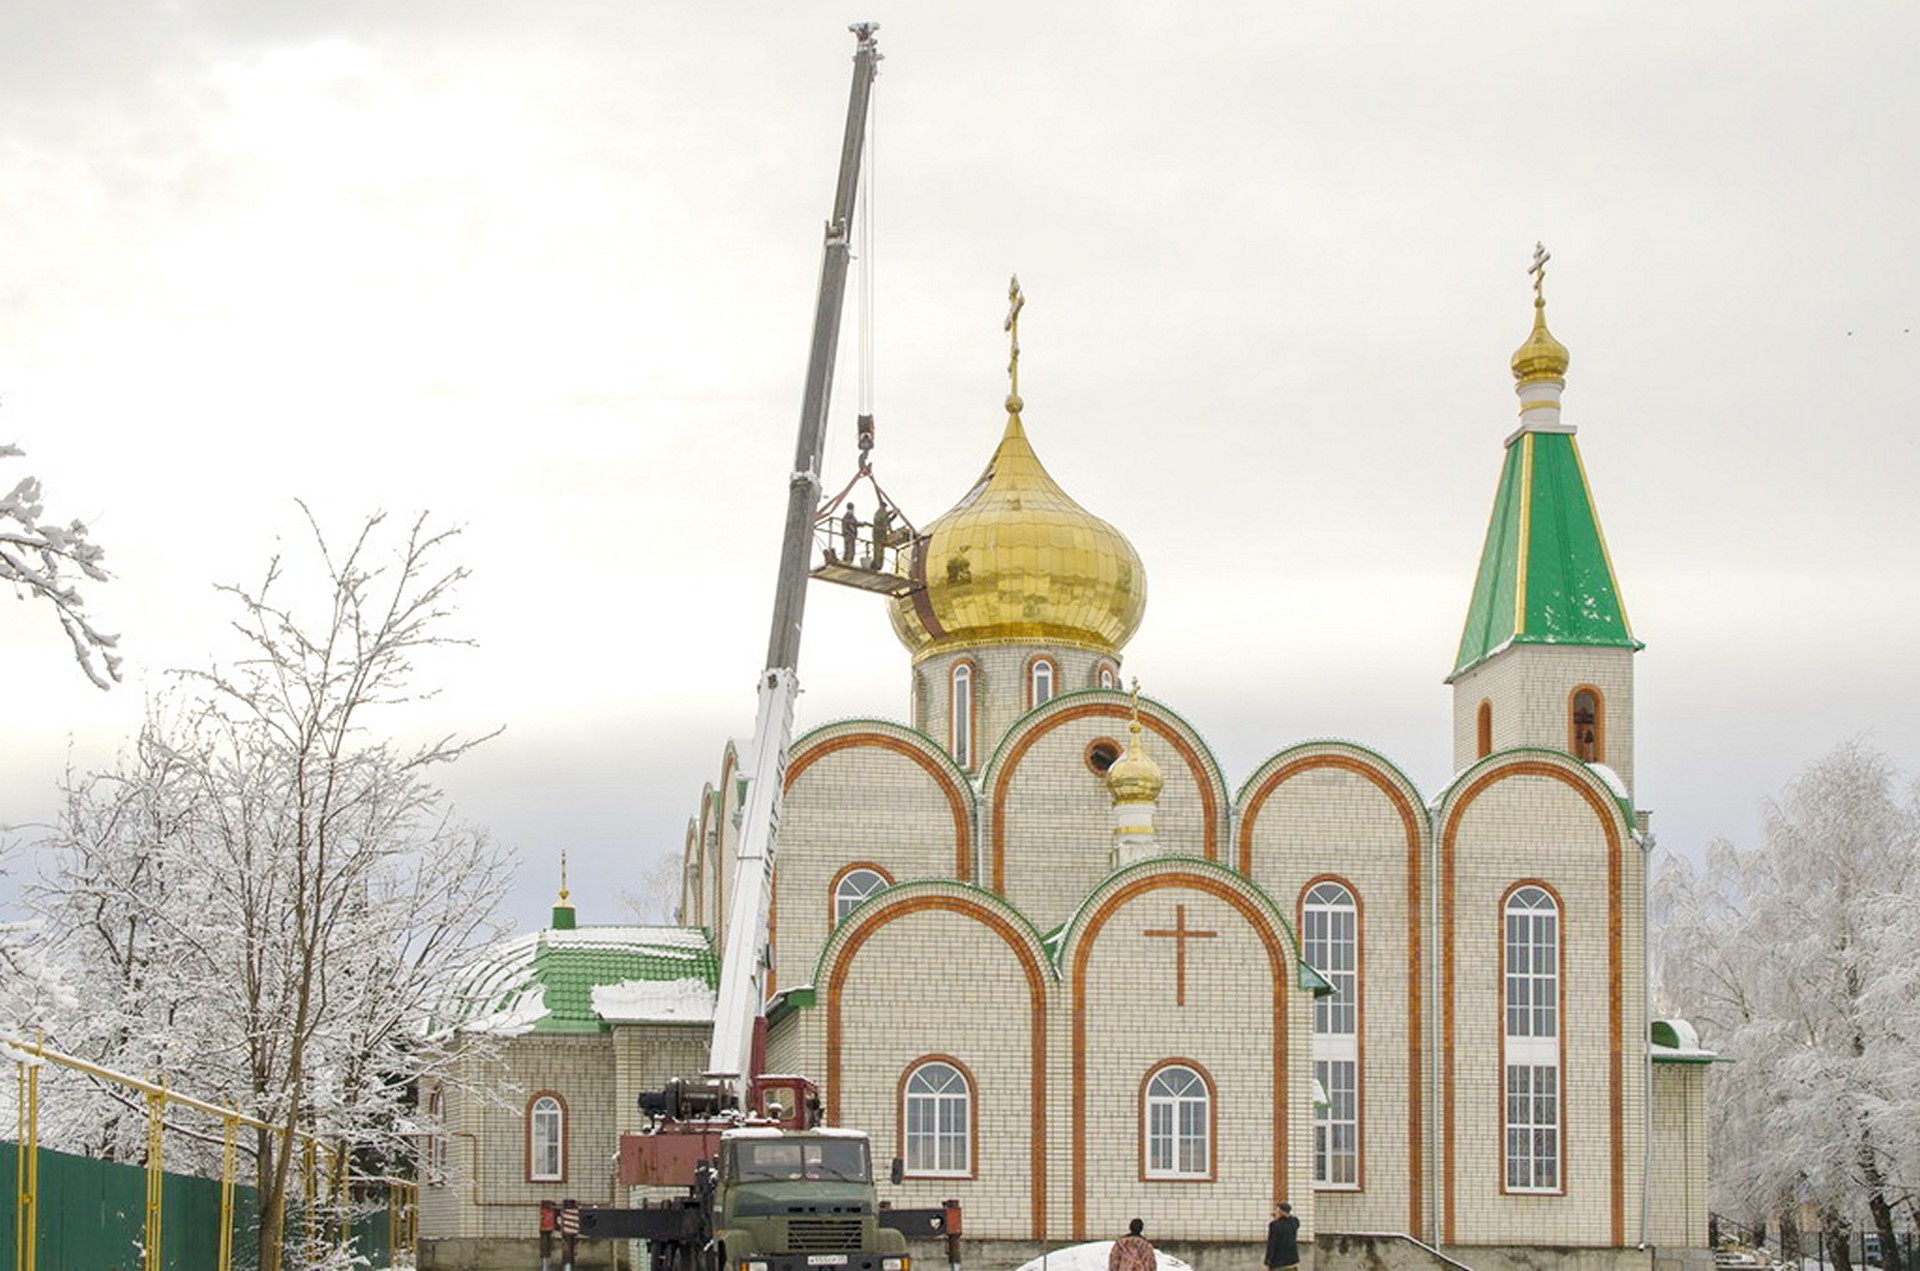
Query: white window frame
(1531, 1095)
(960, 712)
(1042, 676)
(854, 887)
(937, 1122)
(546, 1138)
(1177, 1124)
(1330, 935)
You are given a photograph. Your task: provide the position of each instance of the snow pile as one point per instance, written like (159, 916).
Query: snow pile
(654, 1002)
(1093, 1257)
(513, 1018)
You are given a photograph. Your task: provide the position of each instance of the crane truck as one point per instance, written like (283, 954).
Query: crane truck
(760, 1184)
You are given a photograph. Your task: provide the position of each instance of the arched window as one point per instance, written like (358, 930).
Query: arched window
(1330, 930)
(960, 704)
(434, 1152)
(1531, 1045)
(1484, 730)
(855, 886)
(1039, 682)
(1178, 1124)
(937, 1121)
(1587, 725)
(1108, 677)
(546, 1139)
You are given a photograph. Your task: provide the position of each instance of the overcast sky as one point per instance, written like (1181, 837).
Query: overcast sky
(547, 271)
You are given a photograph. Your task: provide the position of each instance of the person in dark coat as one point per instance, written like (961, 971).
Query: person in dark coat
(1283, 1239)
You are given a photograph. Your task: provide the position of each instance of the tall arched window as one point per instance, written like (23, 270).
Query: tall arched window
(960, 712)
(1587, 725)
(1531, 1045)
(1108, 677)
(1039, 682)
(1330, 931)
(1178, 1124)
(546, 1139)
(855, 886)
(1483, 730)
(937, 1121)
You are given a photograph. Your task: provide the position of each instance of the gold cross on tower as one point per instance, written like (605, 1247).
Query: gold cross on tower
(1539, 270)
(1016, 301)
(1180, 936)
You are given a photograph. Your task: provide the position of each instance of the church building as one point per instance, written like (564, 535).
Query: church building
(1035, 942)
(1042, 948)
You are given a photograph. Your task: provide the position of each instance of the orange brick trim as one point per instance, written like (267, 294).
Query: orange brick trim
(1359, 1016)
(973, 1114)
(956, 800)
(722, 857)
(1410, 820)
(1213, 1121)
(1278, 966)
(1605, 813)
(1209, 805)
(1037, 1022)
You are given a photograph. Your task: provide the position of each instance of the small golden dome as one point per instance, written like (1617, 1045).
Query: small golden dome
(1135, 777)
(1019, 562)
(1542, 357)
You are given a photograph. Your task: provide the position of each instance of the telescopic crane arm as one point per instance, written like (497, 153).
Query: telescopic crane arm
(740, 997)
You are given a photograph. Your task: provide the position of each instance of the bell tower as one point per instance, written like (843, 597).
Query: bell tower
(1546, 658)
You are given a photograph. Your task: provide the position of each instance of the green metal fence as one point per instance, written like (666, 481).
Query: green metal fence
(93, 1218)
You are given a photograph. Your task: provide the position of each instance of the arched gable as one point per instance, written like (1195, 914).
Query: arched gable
(883, 947)
(1335, 807)
(869, 791)
(1589, 810)
(1216, 892)
(1044, 798)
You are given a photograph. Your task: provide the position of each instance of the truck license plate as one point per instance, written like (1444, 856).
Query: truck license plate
(826, 1259)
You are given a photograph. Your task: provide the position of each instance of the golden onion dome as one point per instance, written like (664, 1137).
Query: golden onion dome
(1019, 562)
(1135, 777)
(1542, 357)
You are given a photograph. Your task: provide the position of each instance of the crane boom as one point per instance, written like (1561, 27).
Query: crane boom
(740, 998)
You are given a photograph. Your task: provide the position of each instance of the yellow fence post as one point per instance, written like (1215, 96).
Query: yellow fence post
(311, 1187)
(228, 1152)
(156, 1172)
(26, 1200)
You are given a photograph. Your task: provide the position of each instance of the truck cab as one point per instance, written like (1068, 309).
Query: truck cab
(787, 1201)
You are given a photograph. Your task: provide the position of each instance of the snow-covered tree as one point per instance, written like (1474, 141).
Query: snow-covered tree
(267, 895)
(40, 557)
(1798, 960)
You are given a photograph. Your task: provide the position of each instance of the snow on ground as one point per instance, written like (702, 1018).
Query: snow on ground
(1093, 1257)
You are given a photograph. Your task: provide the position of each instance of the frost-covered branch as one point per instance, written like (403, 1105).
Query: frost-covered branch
(40, 558)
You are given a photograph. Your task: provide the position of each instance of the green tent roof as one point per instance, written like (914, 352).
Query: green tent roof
(1544, 573)
(544, 982)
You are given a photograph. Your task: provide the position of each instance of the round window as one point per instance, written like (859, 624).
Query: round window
(1103, 754)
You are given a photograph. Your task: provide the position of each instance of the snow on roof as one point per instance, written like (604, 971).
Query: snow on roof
(1612, 779)
(1675, 1041)
(654, 1002)
(1093, 1257)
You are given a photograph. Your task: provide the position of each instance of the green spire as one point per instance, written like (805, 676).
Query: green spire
(1544, 573)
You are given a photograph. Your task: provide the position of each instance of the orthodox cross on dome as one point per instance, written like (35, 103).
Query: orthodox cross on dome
(1539, 271)
(1180, 935)
(1016, 301)
(1136, 700)
(563, 875)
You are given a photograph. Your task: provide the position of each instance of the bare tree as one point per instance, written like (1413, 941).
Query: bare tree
(39, 558)
(273, 884)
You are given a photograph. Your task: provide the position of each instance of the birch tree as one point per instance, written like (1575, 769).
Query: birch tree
(269, 892)
(1797, 957)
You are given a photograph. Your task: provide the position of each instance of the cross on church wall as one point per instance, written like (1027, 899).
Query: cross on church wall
(1180, 934)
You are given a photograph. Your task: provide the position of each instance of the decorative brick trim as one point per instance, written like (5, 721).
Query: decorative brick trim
(1605, 812)
(1109, 709)
(1278, 966)
(1037, 1021)
(956, 798)
(1411, 821)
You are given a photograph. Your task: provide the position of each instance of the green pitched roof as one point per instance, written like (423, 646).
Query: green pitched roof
(544, 982)
(1544, 573)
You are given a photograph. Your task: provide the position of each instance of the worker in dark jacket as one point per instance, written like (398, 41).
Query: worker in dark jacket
(1283, 1239)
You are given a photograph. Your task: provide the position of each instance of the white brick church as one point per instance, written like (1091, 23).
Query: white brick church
(1038, 945)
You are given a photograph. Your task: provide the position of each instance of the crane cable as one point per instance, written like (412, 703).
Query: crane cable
(865, 240)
